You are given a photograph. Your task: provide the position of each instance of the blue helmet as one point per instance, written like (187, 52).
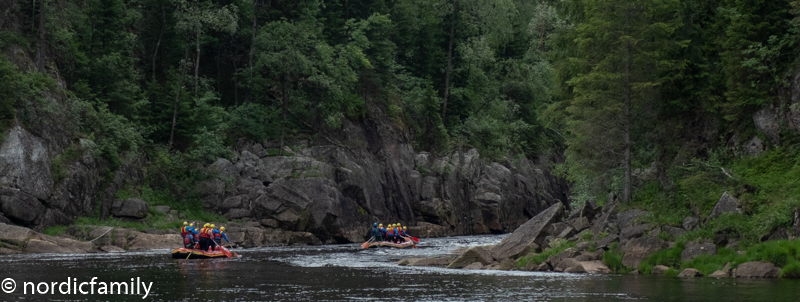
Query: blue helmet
(375, 224)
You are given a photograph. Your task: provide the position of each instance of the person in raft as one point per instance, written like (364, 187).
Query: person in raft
(403, 232)
(390, 233)
(188, 233)
(375, 233)
(383, 232)
(398, 237)
(205, 236)
(218, 236)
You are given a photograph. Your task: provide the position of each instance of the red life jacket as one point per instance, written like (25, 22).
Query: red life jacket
(218, 235)
(183, 231)
(203, 233)
(391, 232)
(186, 240)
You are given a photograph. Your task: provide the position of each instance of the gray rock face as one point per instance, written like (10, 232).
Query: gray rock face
(639, 249)
(726, 204)
(580, 224)
(129, 208)
(595, 267)
(690, 273)
(628, 218)
(475, 254)
(474, 266)
(526, 235)
(695, 249)
(607, 241)
(673, 231)
(659, 269)
(25, 164)
(766, 120)
(555, 260)
(754, 146)
(635, 231)
(757, 270)
(690, 223)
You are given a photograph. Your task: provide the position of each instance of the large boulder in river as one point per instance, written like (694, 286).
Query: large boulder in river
(690, 273)
(726, 204)
(638, 249)
(129, 208)
(525, 236)
(475, 254)
(757, 270)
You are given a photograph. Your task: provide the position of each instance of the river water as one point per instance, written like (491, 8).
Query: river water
(348, 273)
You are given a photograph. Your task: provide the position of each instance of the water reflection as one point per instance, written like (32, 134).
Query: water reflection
(346, 272)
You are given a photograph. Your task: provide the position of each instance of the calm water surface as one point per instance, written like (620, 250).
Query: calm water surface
(348, 273)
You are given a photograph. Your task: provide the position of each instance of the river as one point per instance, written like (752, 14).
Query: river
(348, 273)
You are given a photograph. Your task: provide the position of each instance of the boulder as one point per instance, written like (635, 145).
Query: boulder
(129, 208)
(690, 223)
(754, 146)
(779, 234)
(544, 267)
(595, 267)
(659, 269)
(719, 274)
(606, 242)
(757, 270)
(111, 249)
(16, 235)
(673, 231)
(634, 231)
(162, 209)
(71, 246)
(767, 121)
(520, 241)
(565, 264)
(474, 266)
(566, 233)
(580, 224)
(25, 164)
(638, 249)
(475, 254)
(577, 269)
(629, 218)
(587, 256)
(555, 260)
(726, 204)
(36, 246)
(143, 241)
(600, 224)
(695, 249)
(583, 246)
(690, 273)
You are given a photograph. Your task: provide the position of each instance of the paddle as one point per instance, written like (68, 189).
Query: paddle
(224, 250)
(414, 239)
(365, 245)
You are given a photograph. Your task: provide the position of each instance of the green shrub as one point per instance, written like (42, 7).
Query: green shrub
(669, 257)
(791, 270)
(55, 230)
(613, 259)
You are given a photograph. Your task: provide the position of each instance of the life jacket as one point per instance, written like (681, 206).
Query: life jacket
(209, 233)
(183, 231)
(218, 235)
(391, 232)
(204, 233)
(187, 240)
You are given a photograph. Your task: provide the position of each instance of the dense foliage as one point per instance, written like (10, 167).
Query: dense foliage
(509, 77)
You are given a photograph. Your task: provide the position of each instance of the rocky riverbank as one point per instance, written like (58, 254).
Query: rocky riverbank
(603, 240)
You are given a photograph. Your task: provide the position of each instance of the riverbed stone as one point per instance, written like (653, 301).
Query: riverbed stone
(690, 273)
(757, 269)
(695, 249)
(595, 267)
(638, 249)
(475, 254)
(16, 235)
(659, 269)
(555, 260)
(474, 266)
(726, 204)
(719, 274)
(111, 249)
(520, 241)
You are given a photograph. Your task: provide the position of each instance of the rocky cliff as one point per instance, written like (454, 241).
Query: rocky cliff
(335, 191)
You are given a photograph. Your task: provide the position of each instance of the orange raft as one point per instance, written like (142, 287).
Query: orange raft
(407, 243)
(184, 253)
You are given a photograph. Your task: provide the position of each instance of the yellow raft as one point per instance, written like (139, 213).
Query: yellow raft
(407, 243)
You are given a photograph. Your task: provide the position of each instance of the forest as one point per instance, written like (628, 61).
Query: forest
(603, 90)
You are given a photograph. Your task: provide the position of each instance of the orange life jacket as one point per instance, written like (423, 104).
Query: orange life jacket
(204, 233)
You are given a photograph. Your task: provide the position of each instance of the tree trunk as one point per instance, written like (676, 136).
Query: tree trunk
(197, 64)
(177, 99)
(252, 48)
(626, 195)
(235, 82)
(449, 63)
(40, 53)
(160, 35)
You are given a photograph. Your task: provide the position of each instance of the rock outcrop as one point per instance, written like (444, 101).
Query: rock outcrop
(756, 270)
(726, 204)
(526, 236)
(639, 249)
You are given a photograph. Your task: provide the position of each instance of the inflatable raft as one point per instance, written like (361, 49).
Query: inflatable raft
(407, 243)
(184, 253)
